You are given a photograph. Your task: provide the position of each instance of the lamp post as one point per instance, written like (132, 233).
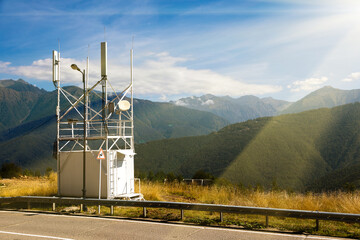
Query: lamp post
(75, 67)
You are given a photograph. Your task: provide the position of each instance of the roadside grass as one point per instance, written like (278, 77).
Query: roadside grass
(29, 186)
(228, 195)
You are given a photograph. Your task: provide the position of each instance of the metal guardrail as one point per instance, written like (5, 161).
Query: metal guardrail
(316, 215)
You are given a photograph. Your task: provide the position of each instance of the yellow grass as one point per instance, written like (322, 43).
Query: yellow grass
(29, 186)
(228, 195)
(329, 202)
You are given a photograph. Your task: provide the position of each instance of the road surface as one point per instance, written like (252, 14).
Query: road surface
(32, 225)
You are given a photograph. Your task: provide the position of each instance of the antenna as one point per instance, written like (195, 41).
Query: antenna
(103, 59)
(104, 34)
(87, 67)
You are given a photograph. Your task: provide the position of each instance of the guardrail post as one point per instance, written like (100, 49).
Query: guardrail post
(28, 205)
(81, 207)
(267, 222)
(221, 217)
(111, 210)
(54, 207)
(317, 225)
(144, 212)
(182, 214)
(99, 210)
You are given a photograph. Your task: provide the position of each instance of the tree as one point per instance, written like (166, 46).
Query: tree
(201, 174)
(37, 173)
(10, 170)
(179, 178)
(170, 177)
(150, 176)
(28, 173)
(48, 171)
(160, 176)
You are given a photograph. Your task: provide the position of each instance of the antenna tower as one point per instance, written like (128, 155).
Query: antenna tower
(95, 139)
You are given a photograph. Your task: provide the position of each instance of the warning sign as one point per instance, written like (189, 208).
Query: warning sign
(101, 155)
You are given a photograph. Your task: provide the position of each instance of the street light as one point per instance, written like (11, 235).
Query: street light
(75, 67)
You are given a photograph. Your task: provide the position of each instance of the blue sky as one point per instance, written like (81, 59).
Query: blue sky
(279, 48)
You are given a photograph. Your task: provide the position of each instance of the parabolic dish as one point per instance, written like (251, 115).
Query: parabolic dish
(124, 105)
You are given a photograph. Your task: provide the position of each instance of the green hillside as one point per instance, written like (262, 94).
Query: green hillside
(296, 151)
(17, 99)
(32, 148)
(324, 97)
(164, 120)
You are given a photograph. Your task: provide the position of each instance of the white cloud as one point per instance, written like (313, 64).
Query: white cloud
(309, 84)
(160, 74)
(4, 66)
(163, 98)
(42, 70)
(352, 77)
(208, 102)
(180, 103)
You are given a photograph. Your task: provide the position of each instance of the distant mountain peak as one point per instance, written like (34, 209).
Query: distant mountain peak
(325, 97)
(22, 81)
(234, 109)
(327, 88)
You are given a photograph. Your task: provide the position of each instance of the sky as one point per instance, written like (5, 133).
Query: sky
(279, 48)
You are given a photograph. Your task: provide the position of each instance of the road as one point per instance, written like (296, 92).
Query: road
(31, 225)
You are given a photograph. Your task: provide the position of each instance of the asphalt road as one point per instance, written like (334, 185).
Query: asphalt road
(29, 225)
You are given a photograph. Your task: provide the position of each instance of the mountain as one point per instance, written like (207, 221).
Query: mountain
(317, 149)
(324, 97)
(17, 100)
(234, 109)
(164, 120)
(35, 122)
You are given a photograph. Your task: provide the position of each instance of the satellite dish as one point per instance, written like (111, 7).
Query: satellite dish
(124, 105)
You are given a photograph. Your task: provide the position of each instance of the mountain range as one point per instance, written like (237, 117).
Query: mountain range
(311, 150)
(250, 107)
(234, 109)
(28, 116)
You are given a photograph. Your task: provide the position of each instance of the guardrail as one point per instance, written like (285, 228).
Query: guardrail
(316, 215)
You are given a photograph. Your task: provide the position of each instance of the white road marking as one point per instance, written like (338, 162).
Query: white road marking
(34, 235)
(187, 226)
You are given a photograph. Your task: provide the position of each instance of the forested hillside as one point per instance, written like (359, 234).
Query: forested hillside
(301, 151)
(17, 99)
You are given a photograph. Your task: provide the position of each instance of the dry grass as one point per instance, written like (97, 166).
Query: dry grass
(229, 195)
(29, 186)
(329, 202)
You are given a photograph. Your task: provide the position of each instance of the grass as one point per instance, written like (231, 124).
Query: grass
(29, 186)
(228, 195)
